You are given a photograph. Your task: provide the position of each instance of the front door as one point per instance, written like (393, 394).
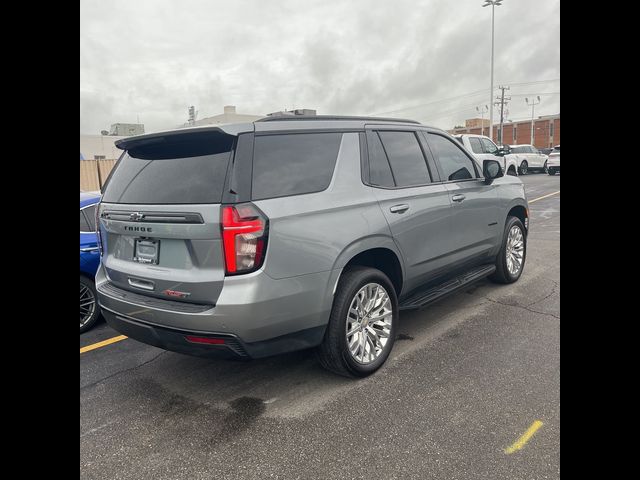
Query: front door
(474, 226)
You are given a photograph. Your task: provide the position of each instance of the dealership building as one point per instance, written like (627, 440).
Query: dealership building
(546, 131)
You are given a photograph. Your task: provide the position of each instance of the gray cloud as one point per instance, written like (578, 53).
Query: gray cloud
(153, 59)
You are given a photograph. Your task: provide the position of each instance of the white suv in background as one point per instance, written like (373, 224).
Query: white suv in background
(553, 164)
(528, 157)
(484, 149)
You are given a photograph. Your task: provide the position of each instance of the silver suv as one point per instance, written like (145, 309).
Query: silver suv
(252, 239)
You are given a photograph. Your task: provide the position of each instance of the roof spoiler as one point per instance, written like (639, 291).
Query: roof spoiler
(156, 137)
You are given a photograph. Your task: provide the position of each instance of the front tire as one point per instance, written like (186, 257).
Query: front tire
(552, 171)
(513, 252)
(89, 309)
(362, 326)
(512, 171)
(524, 168)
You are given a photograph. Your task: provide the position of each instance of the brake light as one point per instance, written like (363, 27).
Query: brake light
(244, 238)
(205, 340)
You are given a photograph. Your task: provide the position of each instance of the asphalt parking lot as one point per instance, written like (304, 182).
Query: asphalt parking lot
(471, 391)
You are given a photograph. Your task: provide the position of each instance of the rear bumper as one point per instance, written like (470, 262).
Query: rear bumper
(259, 315)
(232, 347)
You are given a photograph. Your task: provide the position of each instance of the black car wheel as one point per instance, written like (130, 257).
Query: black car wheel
(89, 310)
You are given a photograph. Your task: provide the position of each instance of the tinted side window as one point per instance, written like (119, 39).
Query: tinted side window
(408, 164)
(476, 146)
(90, 213)
(293, 164)
(454, 163)
(489, 146)
(84, 226)
(379, 169)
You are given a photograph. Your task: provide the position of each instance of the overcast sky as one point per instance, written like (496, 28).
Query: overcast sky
(427, 60)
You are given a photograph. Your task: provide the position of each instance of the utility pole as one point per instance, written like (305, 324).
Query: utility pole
(502, 102)
(533, 103)
(481, 111)
(494, 4)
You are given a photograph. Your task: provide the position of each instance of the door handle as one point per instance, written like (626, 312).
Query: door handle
(89, 249)
(403, 207)
(458, 197)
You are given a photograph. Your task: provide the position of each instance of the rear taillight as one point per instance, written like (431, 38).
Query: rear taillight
(244, 238)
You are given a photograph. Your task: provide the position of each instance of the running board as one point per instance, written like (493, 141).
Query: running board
(425, 297)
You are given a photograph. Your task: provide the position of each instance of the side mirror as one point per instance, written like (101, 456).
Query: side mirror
(502, 151)
(491, 170)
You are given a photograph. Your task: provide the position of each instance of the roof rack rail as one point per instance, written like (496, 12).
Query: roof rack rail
(281, 118)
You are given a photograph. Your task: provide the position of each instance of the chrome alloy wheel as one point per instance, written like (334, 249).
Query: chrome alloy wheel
(369, 323)
(87, 304)
(515, 250)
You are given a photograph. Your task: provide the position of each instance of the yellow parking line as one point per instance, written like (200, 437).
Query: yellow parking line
(544, 196)
(522, 441)
(104, 343)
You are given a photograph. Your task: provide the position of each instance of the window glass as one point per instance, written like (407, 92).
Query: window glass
(90, 213)
(84, 226)
(454, 163)
(187, 168)
(379, 170)
(476, 146)
(293, 164)
(489, 146)
(405, 156)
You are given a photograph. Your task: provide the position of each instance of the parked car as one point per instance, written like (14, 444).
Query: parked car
(553, 163)
(247, 240)
(484, 149)
(89, 260)
(528, 158)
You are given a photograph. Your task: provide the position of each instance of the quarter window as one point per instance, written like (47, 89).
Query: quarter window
(293, 164)
(379, 169)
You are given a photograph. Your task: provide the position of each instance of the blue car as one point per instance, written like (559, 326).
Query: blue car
(89, 260)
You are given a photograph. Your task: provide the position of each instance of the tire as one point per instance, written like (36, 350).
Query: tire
(334, 353)
(545, 169)
(91, 310)
(552, 171)
(512, 171)
(503, 274)
(523, 168)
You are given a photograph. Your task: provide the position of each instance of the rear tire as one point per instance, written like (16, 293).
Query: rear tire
(552, 171)
(512, 171)
(504, 273)
(89, 309)
(334, 353)
(524, 168)
(545, 169)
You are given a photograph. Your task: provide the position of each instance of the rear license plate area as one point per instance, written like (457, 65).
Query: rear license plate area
(146, 251)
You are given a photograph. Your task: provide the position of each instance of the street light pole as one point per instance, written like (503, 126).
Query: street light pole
(494, 4)
(481, 111)
(533, 104)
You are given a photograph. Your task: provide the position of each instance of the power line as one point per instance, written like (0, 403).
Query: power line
(464, 95)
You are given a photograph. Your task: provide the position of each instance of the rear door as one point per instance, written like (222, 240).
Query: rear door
(417, 209)
(474, 225)
(160, 217)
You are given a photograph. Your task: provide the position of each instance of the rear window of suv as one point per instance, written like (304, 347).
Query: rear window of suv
(187, 168)
(293, 164)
